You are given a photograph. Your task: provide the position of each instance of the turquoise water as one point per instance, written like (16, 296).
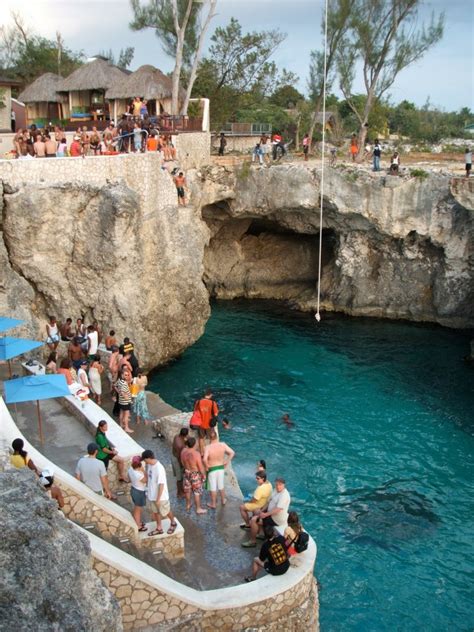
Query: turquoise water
(379, 463)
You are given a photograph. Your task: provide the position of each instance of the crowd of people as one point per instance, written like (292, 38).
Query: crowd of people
(84, 368)
(130, 134)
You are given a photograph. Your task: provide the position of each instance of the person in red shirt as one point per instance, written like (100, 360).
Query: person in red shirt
(76, 149)
(208, 409)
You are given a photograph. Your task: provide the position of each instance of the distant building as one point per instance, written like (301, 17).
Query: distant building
(469, 129)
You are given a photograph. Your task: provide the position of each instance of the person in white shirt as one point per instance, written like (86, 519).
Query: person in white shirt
(138, 479)
(157, 494)
(92, 341)
(275, 515)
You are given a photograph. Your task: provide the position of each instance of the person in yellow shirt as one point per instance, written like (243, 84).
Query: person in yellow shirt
(260, 499)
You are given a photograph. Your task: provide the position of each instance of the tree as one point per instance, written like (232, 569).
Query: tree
(26, 56)
(286, 97)
(384, 37)
(238, 68)
(125, 57)
(177, 24)
(339, 13)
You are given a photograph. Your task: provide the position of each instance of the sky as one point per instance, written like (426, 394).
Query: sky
(445, 75)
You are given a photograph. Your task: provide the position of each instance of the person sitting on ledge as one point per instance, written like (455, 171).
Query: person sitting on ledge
(20, 458)
(53, 491)
(65, 369)
(276, 514)
(66, 331)
(259, 500)
(108, 452)
(272, 558)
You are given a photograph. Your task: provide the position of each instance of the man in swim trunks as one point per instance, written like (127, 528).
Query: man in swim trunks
(194, 475)
(180, 182)
(215, 462)
(179, 443)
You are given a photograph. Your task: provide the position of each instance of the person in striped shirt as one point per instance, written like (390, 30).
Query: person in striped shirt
(122, 386)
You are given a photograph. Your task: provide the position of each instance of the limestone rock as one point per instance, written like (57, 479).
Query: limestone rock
(47, 581)
(397, 247)
(112, 253)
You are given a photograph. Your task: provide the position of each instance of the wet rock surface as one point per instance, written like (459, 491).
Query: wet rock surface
(48, 584)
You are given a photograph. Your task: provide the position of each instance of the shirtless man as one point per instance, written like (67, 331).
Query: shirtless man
(180, 182)
(74, 353)
(215, 462)
(50, 146)
(39, 147)
(194, 475)
(287, 421)
(179, 443)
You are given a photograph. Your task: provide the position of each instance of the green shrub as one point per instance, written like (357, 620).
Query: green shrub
(419, 173)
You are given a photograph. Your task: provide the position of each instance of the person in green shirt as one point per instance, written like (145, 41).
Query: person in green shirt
(108, 452)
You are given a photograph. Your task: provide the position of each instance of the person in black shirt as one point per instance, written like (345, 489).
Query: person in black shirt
(273, 557)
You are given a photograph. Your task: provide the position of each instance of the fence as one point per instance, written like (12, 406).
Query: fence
(247, 129)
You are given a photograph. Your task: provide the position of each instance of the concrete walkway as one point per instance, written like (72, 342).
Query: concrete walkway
(214, 557)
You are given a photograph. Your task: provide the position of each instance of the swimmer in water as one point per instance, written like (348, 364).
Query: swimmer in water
(226, 424)
(287, 421)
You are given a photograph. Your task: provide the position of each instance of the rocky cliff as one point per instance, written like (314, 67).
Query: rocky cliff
(107, 240)
(104, 237)
(48, 584)
(396, 247)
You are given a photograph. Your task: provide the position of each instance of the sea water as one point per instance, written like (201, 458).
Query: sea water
(379, 462)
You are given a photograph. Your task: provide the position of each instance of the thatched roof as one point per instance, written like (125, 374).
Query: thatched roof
(43, 89)
(96, 75)
(147, 82)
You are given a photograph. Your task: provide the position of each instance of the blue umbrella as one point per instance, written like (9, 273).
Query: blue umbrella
(35, 387)
(12, 347)
(9, 323)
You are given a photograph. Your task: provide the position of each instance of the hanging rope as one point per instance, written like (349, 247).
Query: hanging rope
(323, 151)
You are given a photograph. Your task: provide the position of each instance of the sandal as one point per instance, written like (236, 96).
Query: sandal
(249, 578)
(172, 529)
(156, 532)
(143, 528)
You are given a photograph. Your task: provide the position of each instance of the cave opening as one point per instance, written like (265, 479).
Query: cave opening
(263, 258)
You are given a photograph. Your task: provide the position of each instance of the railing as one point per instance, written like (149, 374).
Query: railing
(247, 129)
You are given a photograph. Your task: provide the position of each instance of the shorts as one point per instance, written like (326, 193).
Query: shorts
(251, 507)
(180, 192)
(468, 167)
(51, 339)
(163, 507)
(106, 461)
(193, 481)
(215, 480)
(125, 406)
(305, 149)
(269, 522)
(138, 497)
(177, 468)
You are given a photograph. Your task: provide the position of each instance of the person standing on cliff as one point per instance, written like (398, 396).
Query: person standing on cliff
(306, 147)
(222, 144)
(377, 154)
(157, 494)
(215, 463)
(180, 182)
(194, 475)
(468, 161)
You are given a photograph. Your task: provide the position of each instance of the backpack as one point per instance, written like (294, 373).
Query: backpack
(301, 542)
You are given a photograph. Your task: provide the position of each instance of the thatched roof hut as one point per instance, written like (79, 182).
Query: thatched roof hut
(96, 75)
(44, 89)
(147, 82)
